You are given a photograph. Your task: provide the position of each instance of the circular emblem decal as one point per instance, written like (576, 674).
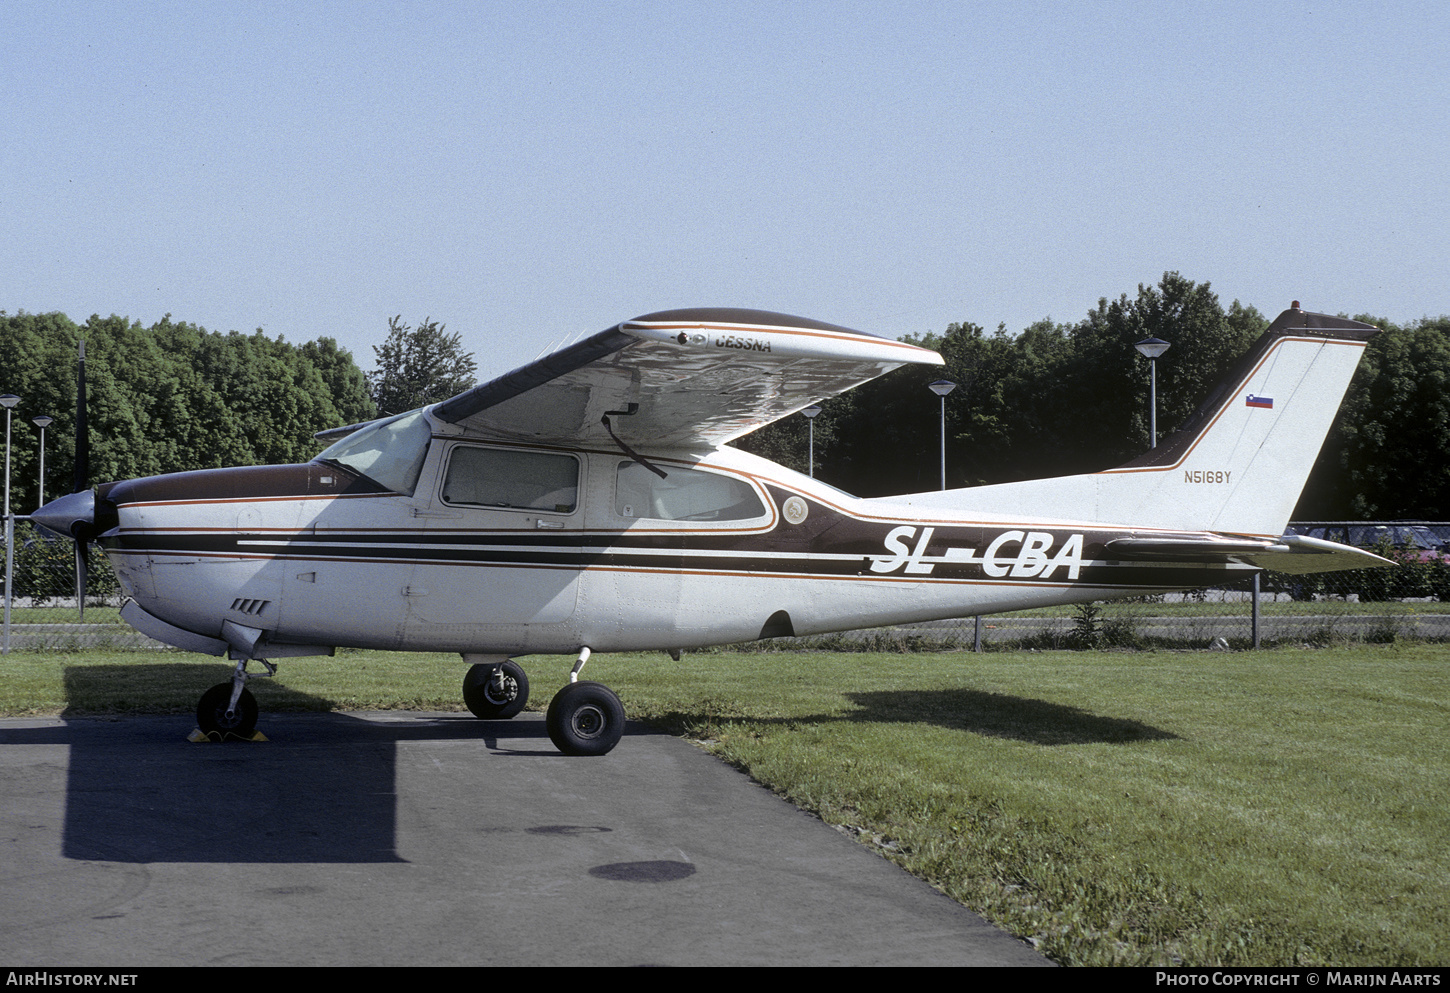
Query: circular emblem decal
(795, 510)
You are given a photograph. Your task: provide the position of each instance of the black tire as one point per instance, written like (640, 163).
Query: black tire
(585, 719)
(211, 712)
(488, 704)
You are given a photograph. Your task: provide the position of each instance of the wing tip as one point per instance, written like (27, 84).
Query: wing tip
(743, 316)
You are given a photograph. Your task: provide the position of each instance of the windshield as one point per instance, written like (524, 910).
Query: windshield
(389, 452)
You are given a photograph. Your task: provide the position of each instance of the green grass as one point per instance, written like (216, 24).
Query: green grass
(1271, 808)
(64, 615)
(1279, 807)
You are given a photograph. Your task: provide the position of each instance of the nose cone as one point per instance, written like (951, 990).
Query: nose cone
(73, 515)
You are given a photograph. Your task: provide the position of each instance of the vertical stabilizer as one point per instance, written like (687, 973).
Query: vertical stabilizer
(1237, 465)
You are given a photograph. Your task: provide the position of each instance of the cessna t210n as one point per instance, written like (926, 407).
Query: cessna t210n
(587, 502)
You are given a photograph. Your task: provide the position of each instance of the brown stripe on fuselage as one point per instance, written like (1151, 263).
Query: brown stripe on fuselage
(309, 480)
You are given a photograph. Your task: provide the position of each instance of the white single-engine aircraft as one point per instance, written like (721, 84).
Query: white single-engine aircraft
(587, 502)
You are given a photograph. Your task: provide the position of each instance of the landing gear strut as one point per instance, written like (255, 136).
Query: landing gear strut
(585, 718)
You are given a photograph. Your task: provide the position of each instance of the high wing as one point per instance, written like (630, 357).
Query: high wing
(678, 379)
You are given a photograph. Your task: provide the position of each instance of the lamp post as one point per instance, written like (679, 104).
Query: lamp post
(941, 388)
(43, 421)
(8, 401)
(1151, 348)
(811, 413)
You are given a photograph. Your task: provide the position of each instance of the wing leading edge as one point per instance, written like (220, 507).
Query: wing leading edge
(677, 379)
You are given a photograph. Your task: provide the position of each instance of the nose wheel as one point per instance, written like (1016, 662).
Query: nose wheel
(230, 708)
(216, 713)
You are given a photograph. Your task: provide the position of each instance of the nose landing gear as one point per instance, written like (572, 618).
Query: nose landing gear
(229, 708)
(217, 713)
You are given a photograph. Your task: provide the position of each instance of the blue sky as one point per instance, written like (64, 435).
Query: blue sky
(526, 172)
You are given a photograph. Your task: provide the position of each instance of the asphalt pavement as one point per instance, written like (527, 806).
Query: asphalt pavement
(404, 839)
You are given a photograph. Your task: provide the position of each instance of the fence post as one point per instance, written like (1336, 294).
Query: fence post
(9, 565)
(1256, 610)
(977, 633)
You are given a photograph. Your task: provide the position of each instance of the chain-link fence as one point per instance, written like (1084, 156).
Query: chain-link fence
(1410, 600)
(43, 610)
(1338, 613)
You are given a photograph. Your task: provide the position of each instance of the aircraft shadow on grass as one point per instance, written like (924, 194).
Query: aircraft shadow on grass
(1000, 715)
(995, 715)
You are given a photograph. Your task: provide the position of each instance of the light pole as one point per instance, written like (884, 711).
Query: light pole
(1151, 348)
(43, 421)
(8, 401)
(941, 388)
(811, 413)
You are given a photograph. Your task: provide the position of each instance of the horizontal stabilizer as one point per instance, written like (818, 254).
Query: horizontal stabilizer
(1305, 555)
(1294, 554)
(1190, 549)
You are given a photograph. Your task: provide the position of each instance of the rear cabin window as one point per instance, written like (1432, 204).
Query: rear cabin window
(684, 495)
(494, 477)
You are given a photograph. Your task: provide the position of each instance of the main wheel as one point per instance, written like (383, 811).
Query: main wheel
(585, 719)
(487, 700)
(211, 712)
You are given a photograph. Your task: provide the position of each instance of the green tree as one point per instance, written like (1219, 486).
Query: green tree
(168, 398)
(346, 383)
(1107, 382)
(418, 366)
(1385, 456)
(1051, 400)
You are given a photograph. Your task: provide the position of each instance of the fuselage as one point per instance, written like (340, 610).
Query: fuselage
(513, 549)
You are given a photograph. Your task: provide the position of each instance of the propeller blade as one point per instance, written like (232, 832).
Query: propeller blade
(81, 572)
(82, 532)
(83, 434)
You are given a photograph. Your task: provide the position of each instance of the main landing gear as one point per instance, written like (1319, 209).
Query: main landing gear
(584, 718)
(230, 708)
(495, 692)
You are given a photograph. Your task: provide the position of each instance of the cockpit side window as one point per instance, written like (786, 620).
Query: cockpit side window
(389, 452)
(500, 477)
(684, 495)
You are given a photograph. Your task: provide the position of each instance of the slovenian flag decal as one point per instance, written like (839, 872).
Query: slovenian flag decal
(1266, 402)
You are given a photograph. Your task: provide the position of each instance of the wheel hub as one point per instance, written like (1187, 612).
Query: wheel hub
(588, 721)
(501, 691)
